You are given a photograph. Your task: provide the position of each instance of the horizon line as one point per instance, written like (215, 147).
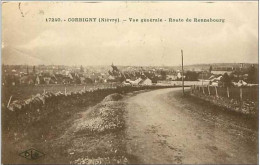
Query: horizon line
(135, 65)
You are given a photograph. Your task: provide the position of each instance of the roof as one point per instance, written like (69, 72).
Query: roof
(218, 72)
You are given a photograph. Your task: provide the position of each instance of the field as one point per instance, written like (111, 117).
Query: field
(25, 92)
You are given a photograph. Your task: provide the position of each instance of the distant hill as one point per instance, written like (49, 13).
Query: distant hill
(219, 66)
(106, 68)
(194, 67)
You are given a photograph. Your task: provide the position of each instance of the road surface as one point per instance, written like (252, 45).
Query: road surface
(165, 128)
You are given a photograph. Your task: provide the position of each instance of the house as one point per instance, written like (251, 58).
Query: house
(245, 77)
(88, 81)
(47, 80)
(28, 80)
(39, 80)
(212, 77)
(59, 78)
(171, 77)
(10, 80)
(240, 83)
(214, 84)
(66, 80)
(220, 72)
(215, 80)
(146, 81)
(111, 78)
(133, 82)
(204, 75)
(137, 81)
(82, 80)
(54, 79)
(179, 75)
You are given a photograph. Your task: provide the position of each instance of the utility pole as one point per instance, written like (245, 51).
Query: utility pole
(182, 72)
(202, 78)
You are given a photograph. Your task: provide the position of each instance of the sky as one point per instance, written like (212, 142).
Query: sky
(28, 39)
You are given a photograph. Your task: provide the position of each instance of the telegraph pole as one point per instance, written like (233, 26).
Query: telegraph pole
(202, 78)
(182, 72)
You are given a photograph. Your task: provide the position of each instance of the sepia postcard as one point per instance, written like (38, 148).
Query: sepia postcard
(129, 82)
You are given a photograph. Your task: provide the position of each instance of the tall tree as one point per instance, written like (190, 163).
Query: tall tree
(210, 69)
(27, 69)
(163, 74)
(252, 75)
(34, 71)
(81, 69)
(226, 80)
(191, 76)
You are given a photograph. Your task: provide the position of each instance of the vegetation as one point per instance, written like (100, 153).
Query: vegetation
(252, 75)
(226, 80)
(191, 76)
(25, 92)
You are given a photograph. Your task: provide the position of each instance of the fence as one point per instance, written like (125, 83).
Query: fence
(84, 96)
(186, 83)
(26, 91)
(40, 107)
(240, 99)
(238, 93)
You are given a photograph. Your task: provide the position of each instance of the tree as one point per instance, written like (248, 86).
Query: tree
(252, 75)
(81, 69)
(191, 76)
(226, 80)
(27, 69)
(233, 77)
(163, 74)
(34, 69)
(210, 69)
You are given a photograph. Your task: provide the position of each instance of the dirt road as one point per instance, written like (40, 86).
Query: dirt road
(163, 127)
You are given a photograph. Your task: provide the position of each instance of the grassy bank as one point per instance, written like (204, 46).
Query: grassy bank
(87, 136)
(248, 105)
(76, 129)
